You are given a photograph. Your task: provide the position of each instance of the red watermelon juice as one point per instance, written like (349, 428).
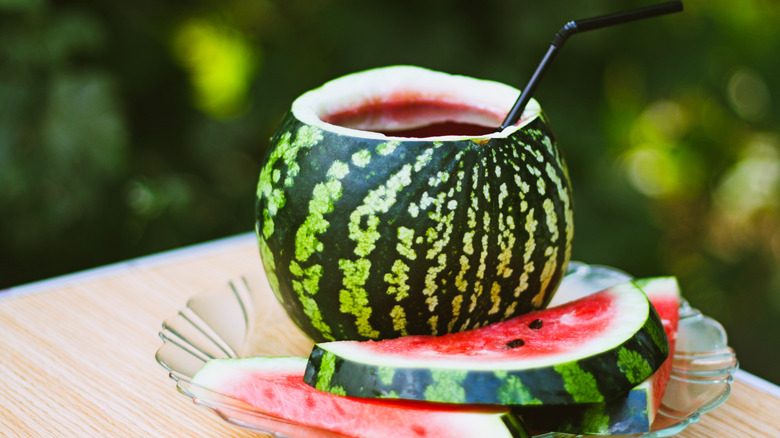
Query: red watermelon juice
(409, 116)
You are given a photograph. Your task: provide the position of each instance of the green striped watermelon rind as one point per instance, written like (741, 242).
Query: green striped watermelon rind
(594, 377)
(371, 237)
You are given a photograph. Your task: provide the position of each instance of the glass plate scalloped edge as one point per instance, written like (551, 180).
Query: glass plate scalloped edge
(219, 324)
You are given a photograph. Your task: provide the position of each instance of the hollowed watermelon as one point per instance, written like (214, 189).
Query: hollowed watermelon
(275, 386)
(591, 350)
(634, 412)
(388, 206)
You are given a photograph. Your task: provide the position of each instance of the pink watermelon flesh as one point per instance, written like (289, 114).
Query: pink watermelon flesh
(275, 386)
(566, 330)
(593, 317)
(665, 298)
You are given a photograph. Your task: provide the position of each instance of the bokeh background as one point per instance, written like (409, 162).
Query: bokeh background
(128, 129)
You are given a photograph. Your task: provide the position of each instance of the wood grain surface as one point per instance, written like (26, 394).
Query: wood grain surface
(78, 354)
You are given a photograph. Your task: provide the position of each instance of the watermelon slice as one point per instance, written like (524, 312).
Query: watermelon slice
(635, 412)
(591, 350)
(275, 385)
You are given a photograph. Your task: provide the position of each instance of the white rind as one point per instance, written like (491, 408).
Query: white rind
(630, 300)
(370, 86)
(214, 372)
(662, 287)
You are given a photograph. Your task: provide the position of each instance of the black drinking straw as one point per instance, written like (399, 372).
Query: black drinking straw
(570, 29)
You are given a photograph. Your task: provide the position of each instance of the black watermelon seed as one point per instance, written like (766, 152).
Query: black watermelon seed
(535, 324)
(514, 343)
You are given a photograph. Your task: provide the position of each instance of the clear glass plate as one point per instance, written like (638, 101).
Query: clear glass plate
(243, 319)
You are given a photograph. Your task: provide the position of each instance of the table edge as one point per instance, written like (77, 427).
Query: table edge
(757, 382)
(156, 259)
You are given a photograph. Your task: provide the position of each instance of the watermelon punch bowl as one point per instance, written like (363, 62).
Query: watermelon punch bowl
(389, 205)
(241, 318)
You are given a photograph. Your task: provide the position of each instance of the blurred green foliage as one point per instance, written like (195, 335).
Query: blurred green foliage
(127, 130)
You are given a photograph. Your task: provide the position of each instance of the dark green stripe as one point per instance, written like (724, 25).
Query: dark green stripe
(516, 426)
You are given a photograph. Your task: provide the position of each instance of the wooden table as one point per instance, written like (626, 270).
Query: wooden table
(78, 354)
